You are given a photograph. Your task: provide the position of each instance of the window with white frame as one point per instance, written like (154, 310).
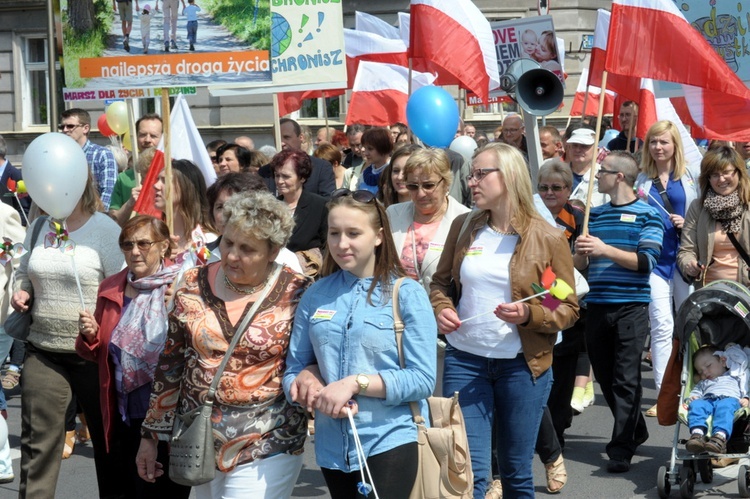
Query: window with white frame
(35, 80)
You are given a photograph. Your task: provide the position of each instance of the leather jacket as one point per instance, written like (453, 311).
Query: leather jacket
(540, 245)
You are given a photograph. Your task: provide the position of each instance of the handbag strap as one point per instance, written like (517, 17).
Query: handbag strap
(398, 326)
(238, 332)
(663, 193)
(739, 248)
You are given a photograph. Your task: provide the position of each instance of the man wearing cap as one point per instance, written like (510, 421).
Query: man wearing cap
(622, 247)
(580, 146)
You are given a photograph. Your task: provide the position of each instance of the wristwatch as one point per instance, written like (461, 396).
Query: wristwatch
(363, 381)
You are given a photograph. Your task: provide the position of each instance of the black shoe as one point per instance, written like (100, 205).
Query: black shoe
(618, 466)
(166, 46)
(695, 443)
(126, 44)
(192, 47)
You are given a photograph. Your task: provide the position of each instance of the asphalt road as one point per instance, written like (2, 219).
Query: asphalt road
(584, 456)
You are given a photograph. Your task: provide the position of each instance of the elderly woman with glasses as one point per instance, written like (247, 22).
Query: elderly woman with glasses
(421, 225)
(717, 225)
(124, 336)
(499, 349)
(343, 353)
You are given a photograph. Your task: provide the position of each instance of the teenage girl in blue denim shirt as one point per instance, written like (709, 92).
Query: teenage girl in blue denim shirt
(343, 348)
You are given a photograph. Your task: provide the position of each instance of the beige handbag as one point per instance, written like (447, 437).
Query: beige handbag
(444, 463)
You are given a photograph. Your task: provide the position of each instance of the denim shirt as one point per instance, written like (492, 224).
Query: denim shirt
(336, 327)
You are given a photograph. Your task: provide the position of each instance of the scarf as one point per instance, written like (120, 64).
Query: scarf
(142, 330)
(725, 209)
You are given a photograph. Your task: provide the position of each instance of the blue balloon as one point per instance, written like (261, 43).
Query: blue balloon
(432, 114)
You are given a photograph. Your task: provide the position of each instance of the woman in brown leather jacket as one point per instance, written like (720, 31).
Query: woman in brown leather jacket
(499, 362)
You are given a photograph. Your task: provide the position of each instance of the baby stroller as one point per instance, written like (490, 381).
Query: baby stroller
(717, 314)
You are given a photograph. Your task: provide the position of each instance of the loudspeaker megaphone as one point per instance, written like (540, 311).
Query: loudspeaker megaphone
(538, 91)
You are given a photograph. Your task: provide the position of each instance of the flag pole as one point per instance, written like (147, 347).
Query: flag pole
(325, 116)
(630, 129)
(133, 141)
(276, 125)
(411, 136)
(592, 169)
(165, 113)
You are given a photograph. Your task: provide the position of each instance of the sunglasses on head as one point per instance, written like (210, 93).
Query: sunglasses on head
(361, 196)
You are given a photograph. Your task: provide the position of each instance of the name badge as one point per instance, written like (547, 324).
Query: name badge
(627, 217)
(475, 251)
(325, 315)
(435, 247)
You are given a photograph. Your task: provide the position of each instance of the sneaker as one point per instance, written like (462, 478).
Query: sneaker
(173, 45)
(166, 46)
(495, 491)
(11, 379)
(695, 443)
(717, 444)
(588, 395)
(576, 402)
(7, 477)
(618, 466)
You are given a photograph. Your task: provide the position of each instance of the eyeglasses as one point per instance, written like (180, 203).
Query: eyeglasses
(143, 245)
(511, 130)
(602, 170)
(478, 174)
(717, 176)
(214, 159)
(425, 186)
(68, 126)
(361, 196)
(553, 188)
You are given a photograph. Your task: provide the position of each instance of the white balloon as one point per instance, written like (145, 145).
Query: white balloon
(464, 145)
(55, 171)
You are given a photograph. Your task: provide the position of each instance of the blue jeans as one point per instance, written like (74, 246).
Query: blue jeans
(722, 409)
(507, 388)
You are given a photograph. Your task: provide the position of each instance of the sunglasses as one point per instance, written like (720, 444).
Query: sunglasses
(553, 188)
(602, 170)
(143, 245)
(68, 126)
(425, 186)
(361, 196)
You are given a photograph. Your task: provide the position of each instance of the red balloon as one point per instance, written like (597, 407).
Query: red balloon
(104, 128)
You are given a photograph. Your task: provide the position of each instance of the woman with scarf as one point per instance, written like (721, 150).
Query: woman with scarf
(716, 235)
(125, 336)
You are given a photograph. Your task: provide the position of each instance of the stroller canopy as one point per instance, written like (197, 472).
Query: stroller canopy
(718, 313)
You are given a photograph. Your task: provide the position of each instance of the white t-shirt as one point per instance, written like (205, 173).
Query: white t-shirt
(485, 283)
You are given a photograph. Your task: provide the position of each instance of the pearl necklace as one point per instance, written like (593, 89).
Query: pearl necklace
(495, 229)
(244, 291)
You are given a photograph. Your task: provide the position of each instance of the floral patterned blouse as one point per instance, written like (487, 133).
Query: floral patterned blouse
(251, 417)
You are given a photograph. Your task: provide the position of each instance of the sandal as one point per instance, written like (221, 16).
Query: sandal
(495, 491)
(70, 443)
(651, 413)
(82, 432)
(557, 476)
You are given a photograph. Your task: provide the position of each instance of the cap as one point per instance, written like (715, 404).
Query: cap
(584, 136)
(147, 8)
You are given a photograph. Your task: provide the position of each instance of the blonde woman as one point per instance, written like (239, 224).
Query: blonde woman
(667, 184)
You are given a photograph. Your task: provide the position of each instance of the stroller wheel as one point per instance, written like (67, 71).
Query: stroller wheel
(663, 485)
(706, 470)
(742, 481)
(687, 481)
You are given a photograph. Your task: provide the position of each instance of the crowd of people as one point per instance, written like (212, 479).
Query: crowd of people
(305, 246)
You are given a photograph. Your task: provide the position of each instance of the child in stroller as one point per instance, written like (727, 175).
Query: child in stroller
(721, 392)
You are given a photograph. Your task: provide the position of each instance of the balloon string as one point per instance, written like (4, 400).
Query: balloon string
(78, 282)
(23, 212)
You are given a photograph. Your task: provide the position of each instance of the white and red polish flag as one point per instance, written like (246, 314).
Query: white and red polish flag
(373, 24)
(364, 46)
(594, 93)
(652, 39)
(625, 86)
(455, 35)
(381, 92)
(292, 101)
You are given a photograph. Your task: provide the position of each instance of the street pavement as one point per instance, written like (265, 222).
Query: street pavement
(584, 457)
